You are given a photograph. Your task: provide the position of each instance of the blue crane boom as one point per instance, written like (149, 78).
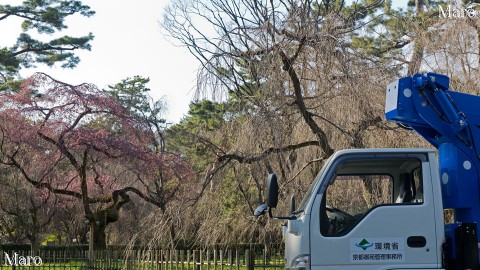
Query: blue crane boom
(450, 121)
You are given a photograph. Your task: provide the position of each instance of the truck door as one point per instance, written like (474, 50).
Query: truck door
(375, 213)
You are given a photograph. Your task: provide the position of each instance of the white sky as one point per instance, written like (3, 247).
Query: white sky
(128, 42)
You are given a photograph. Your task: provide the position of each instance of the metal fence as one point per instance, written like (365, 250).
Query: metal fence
(143, 260)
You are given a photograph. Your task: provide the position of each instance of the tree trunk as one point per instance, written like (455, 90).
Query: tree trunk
(172, 231)
(33, 245)
(100, 220)
(99, 237)
(418, 47)
(173, 235)
(473, 23)
(82, 235)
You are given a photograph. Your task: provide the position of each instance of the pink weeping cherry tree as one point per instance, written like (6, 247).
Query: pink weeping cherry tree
(79, 142)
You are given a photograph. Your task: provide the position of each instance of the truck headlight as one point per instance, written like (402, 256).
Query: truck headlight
(301, 262)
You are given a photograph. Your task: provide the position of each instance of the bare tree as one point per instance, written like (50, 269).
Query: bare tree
(304, 87)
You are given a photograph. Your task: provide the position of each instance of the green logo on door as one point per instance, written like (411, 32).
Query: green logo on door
(364, 244)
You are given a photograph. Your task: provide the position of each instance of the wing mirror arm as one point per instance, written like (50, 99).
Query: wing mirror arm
(262, 209)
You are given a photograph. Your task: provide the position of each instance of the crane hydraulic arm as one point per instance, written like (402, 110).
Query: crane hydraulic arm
(450, 121)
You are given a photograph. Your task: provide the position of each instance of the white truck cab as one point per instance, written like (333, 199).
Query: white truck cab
(370, 209)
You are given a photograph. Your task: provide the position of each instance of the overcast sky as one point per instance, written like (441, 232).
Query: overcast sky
(128, 42)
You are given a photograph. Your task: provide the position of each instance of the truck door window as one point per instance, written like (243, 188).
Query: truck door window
(349, 197)
(354, 191)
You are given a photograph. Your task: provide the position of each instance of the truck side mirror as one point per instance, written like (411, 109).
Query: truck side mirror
(272, 191)
(261, 210)
(272, 200)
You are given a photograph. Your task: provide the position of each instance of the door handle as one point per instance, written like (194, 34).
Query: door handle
(416, 241)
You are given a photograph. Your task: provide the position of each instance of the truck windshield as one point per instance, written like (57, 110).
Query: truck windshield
(306, 197)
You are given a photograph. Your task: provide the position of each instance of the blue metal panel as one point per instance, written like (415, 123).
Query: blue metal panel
(403, 110)
(458, 178)
(450, 121)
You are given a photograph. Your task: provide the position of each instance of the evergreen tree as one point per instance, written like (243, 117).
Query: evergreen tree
(45, 17)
